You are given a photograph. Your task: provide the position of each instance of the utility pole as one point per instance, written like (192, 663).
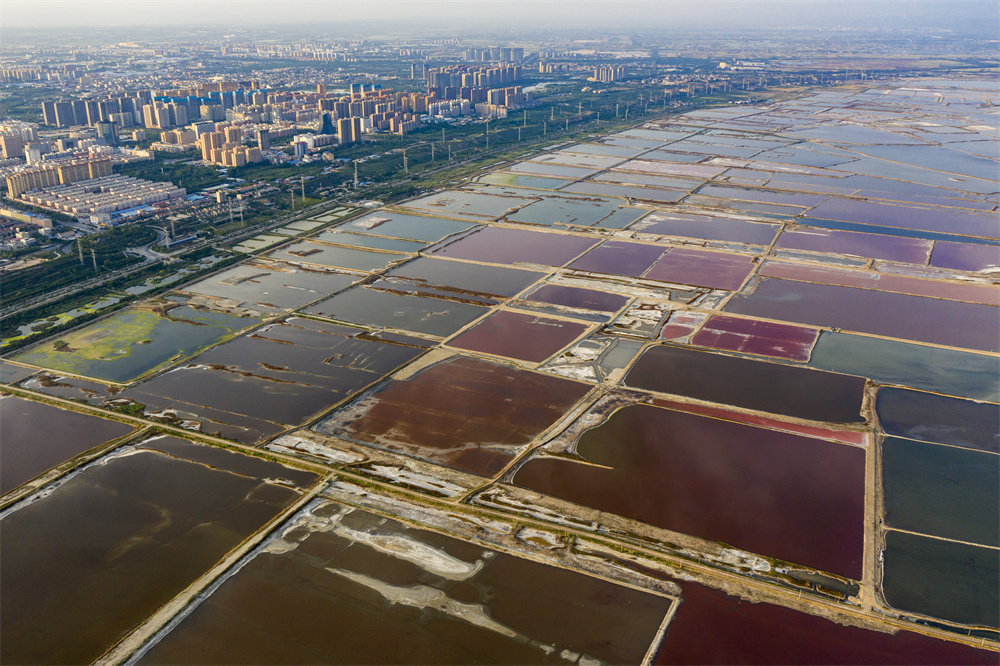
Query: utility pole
(567, 124)
(406, 167)
(93, 255)
(616, 109)
(79, 246)
(303, 188)
(519, 135)
(432, 152)
(553, 113)
(544, 128)
(449, 152)
(356, 172)
(173, 230)
(442, 134)
(525, 123)
(579, 109)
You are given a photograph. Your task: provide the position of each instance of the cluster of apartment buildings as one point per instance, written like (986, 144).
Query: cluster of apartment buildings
(47, 175)
(103, 196)
(609, 73)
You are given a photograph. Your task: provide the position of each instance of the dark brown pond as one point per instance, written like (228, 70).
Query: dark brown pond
(516, 335)
(777, 494)
(574, 297)
(790, 390)
(902, 316)
(618, 258)
(513, 246)
(350, 587)
(711, 627)
(702, 268)
(35, 437)
(465, 413)
(86, 564)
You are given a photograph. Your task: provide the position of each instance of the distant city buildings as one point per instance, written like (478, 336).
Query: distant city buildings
(609, 74)
(55, 174)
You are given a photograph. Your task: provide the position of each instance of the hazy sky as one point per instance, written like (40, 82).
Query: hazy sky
(503, 13)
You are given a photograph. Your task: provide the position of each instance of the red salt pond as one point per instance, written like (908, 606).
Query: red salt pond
(465, 413)
(522, 336)
(701, 268)
(786, 496)
(897, 284)
(680, 324)
(711, 627)
(752, 336)
(851, 437)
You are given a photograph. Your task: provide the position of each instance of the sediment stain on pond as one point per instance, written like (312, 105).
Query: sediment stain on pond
(279, 376)
(88, 562)
(792, 391)
(465, 413)
(342, 586)
(775, 494)
(936, 418)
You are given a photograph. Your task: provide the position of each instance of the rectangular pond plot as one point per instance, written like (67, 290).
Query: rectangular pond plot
(944, 579)
(965, 256)
(908, 217)
(476, 205)
(619, 258)
(400, 225)
(578, 159)
(381, 309)
(11, 373)
(752, 336)
(604, 149)
(465, 413)
(762, 196)
(711, 627)
(916, 318)
(936, 418)
(873, 246)
(497, 245)
(949, 371)
(942, 491)
(701, 268)
(631, 178)
(37, 437)
(373, 242)
(775, 494)
(385, 593)
(626, 192)
(575, 297)
(135, 341)
(87, 563)
(557, 170)
(516, 335)
(633, 142)
(520, 180)
(897, 284)
(278, 377)
(563, 211)
(708, 228)
(463, 277)
(270, 287)
(791, 391)
(321, 254)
